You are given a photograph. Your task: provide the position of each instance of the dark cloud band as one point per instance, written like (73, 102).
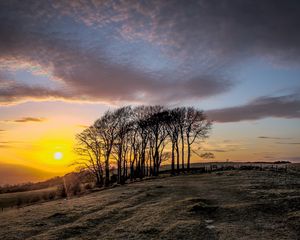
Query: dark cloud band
(204, 35)
(27, 119)
(281, 107)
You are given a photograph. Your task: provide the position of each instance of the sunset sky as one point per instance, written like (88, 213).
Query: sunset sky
(64, 63)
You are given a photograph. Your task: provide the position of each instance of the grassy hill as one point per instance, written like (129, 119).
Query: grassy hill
(16, 174)
(221, 205)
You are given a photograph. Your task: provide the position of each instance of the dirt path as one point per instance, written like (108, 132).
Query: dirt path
(227, 205)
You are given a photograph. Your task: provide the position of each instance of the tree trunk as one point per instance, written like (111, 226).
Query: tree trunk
(142, 173)
(123, 178)
(156, 159)
(182, 148)
(150, 163)
(107, 180)
(189, 157)
(131, 171)
(173, 158)
(125, 170)
(177, 156)
(97, 180)
(101, 180)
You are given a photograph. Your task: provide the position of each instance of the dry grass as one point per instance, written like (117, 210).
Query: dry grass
(226, 205)
(22, 198)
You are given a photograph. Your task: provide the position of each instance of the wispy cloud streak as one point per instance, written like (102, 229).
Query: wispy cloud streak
(280, 107)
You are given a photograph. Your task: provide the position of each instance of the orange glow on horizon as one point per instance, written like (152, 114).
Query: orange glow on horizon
(48, 145)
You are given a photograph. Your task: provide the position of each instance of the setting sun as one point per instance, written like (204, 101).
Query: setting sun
(58, 155)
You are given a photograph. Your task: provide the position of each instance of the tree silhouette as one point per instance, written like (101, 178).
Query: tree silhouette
(137, 140)
(197, 126)
(89, 151)
(107, 129)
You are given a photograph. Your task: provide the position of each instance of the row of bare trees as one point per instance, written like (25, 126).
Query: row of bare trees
(137, 140)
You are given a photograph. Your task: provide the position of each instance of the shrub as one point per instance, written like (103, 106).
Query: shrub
(52, 195)
(74, 188)
(88, 186)
(19, 201)
(61, 191)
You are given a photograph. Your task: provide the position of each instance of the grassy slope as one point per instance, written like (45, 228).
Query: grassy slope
(12, 199)
(228, 205)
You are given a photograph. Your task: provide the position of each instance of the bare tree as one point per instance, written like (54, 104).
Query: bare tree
(120, 145)
(142, 115)
(181, 121)
(88, 148)
(134, 146)
(158, 130)
(139, 137)
(173, 129)
(207, 155)
(197, 127)
(107, 130)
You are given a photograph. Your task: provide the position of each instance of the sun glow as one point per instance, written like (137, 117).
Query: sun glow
(58, 155)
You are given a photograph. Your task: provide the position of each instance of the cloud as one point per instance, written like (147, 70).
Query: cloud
(5, 144)
(229, 29)
(92, 47)
(106, 84)
(28, 119)
(263, 107)
(275, 138)
(223, 147)
(16, 93)
(289, 143)
(86, 71)
(269, 157)
(217, 150)
(280, 138)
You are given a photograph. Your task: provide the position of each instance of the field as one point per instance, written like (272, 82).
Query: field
(19, 198)
(221, 205)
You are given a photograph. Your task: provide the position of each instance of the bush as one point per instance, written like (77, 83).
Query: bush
(19, 201)
(48, 195)
(74, 188)
(61, 191)
(52, 195)
(88, 186)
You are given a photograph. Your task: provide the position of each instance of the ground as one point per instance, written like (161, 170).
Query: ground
(234, 204)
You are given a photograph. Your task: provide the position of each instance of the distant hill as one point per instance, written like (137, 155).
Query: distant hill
(15, 174)
(46, 182)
